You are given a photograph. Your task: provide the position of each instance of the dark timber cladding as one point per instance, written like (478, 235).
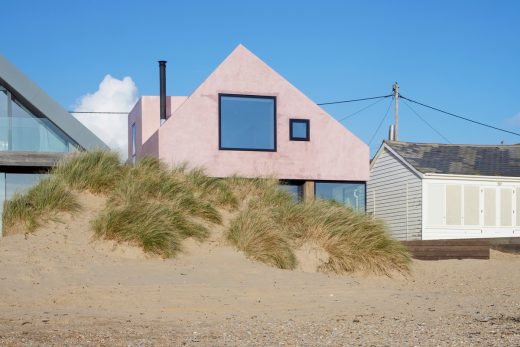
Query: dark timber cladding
(449, 249)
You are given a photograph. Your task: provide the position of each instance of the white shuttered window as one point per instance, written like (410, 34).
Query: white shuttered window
(506, 207)
(517, 206)
(471, 205)
(435, 203)
(453, 204)
(490, 207)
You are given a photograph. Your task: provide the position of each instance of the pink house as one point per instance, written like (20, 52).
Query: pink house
(247, 120)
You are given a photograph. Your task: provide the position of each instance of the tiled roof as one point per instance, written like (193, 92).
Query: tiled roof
(481, 160)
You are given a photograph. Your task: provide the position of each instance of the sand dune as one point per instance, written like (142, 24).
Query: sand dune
(60, 286)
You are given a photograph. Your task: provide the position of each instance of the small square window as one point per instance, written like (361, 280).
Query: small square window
(299, 130)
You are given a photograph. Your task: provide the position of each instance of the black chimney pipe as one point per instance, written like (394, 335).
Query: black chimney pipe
(162, 88)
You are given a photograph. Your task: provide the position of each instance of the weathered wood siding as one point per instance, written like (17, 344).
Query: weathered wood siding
(394, 194)
(449, 249)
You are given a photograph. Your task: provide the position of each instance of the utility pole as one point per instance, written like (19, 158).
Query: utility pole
(395, 89)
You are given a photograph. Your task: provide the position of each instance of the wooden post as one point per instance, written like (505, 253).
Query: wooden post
(308, 191)
(395, 89)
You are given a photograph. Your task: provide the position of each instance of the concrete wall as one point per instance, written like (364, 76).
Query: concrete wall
(191, 133)
(394, 194)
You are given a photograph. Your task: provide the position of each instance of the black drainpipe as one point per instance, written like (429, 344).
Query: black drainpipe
(162, 89)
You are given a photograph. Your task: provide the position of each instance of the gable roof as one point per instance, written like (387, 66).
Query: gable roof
(43, 105)
(240, 62)
(479, 160)
(191, 133)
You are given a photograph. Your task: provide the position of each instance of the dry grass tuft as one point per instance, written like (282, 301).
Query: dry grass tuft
(97, 171)
(25, 212)
(156, 207)
(151, 226)
(259, 237)
(353, 241)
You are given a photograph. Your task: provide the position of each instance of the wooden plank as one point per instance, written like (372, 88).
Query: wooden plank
(449, 249)
(447, 258)
(32, 159)
(454, 242)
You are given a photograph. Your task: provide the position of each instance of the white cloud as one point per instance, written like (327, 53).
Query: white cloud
(113, 95)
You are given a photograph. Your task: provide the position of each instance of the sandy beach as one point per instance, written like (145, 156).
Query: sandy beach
(58, 286)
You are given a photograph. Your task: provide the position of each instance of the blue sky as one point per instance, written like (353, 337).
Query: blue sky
(462, 56)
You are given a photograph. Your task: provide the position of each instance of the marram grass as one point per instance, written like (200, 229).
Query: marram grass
(156, 208)
(25, 212)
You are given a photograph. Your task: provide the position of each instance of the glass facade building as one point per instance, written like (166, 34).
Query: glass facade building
(23, 131)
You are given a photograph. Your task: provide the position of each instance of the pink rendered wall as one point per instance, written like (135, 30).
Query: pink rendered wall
(145, 115)
(191, 133)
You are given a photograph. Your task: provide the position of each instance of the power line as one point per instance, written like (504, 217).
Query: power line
(381, 122)
(107, 112)
(425, 121)
(353, 100)
(361, 110)
(460, 117)
(321, 104)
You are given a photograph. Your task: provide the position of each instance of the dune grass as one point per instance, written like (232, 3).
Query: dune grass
(25, 212)
(353, 241)
(151, 206)
(259, 237)
(156, 208)
(151, 225)
(97, 171)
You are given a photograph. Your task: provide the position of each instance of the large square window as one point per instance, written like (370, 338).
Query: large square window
(299, 130)
(350, 194)
(247, 123)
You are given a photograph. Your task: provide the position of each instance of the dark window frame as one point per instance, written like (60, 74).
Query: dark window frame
(336, 181)
(307, 122)
(220, 95)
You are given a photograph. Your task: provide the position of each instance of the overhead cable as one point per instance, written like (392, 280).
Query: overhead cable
(425, 121)
(107, 112)
(353, 100)
(460, 117)
(381, 122)
(359, 111)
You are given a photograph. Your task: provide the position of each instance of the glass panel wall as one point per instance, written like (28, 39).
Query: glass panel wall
(4, 120)
(247, 122)
(20, 130)
(350, 194)
(20, 182)
(12, 183)
(295, 188)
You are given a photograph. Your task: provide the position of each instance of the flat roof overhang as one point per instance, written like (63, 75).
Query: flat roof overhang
(10, 161)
